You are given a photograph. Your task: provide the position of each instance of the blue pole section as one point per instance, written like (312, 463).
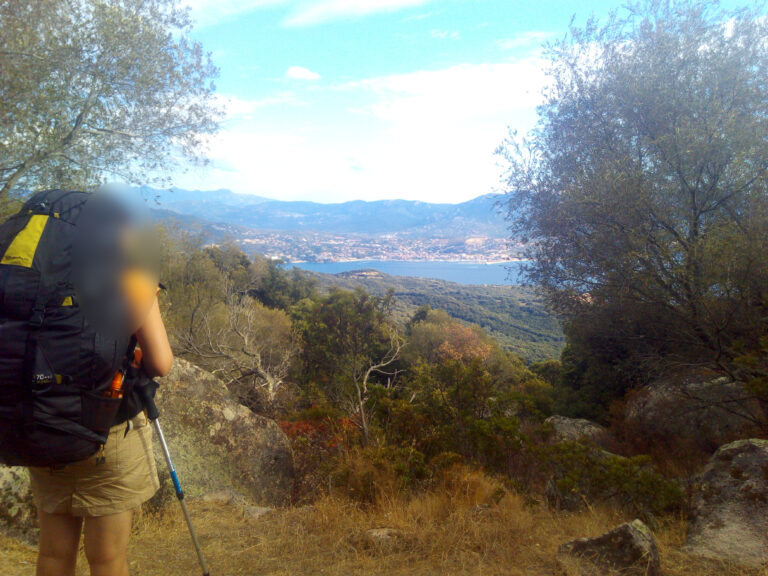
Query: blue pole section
(153, 415)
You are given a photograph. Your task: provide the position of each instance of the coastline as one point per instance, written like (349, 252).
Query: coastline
(470, 272)
(413, 261)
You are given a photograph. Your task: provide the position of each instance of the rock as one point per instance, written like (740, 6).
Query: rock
(257, 511)
(17, 509)
(628, 550)
(219, 497)
(575, 429)
(729, 520)
(226, 497)
(382, 535)
(217, 444)
(701, 414)
(480, 510)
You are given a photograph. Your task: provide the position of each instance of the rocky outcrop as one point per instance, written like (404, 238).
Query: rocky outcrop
(705, 414)
(729, 520)
(575, 429)
(219, 445)
(17, 510)
(628, 550)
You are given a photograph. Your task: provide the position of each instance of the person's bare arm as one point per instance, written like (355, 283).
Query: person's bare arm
(157, 355)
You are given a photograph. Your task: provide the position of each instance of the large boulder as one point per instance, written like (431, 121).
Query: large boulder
(17, 510)
(218, 444)
(701, 414)
(575, 429)
(628, 550)
(729, 520)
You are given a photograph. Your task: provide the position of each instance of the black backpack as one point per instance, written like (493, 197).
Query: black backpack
(62, 329)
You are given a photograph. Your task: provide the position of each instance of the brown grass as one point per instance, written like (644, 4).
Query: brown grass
(460, 528)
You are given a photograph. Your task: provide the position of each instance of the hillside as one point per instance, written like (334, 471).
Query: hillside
(419, 219)
(514, 315)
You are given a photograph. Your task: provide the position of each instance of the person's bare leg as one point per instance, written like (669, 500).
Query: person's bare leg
(106, 544)
(59, 539)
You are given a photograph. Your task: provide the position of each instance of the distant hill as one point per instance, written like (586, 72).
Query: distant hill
(478, 217)
(515, 315)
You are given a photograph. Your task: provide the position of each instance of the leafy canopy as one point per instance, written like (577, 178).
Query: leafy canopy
(643, 190)
(91, 88)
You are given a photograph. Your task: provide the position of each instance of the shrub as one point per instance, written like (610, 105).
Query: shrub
(585, 475)
(366, 474)
(318, 435)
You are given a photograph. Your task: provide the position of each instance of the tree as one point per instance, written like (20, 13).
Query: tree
(276, 287)
(251, 347)
(91, 88)
(350, 344)
(643, 190)
(214, 321)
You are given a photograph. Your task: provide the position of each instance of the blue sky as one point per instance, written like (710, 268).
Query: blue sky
(334, 100)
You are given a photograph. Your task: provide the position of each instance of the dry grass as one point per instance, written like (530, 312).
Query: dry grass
(458, 529)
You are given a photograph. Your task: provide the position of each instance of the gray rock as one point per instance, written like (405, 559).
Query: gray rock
(382, 535)
(575, 429)
(220, 497)
(17, 509)
(628, 550)
(257, 511)
(705, 414)
(218, 445)
(729, 520)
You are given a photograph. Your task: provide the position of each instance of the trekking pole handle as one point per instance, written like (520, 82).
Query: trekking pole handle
(147, 399)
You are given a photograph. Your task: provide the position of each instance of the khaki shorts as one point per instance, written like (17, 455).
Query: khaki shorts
(121, 477)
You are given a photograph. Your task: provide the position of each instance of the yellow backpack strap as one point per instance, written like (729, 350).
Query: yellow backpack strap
(21, 251)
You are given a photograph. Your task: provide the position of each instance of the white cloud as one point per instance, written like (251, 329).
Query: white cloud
(322, 11)
(236, 107)
(427, 135)
(530, 39)
(301, 73)
(444, 34)
(299, 12)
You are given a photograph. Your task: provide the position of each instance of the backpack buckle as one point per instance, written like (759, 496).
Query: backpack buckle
(37, 317)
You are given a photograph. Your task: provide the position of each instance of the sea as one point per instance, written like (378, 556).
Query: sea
(471, 273)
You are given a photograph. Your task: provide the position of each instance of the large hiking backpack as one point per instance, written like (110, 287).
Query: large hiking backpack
(62, 337)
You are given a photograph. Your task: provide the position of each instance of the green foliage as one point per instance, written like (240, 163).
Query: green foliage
(462, 394)
(586, 474)
(350, 346)
(346, 330)
(451, 395)
(514, 316)
(92, 88)
(215, 322)
(276, 287)
(644, 187)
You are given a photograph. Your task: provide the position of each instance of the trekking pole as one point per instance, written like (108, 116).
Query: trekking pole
(153, 414)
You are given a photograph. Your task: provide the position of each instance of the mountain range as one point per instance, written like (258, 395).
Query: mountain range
(478, 217)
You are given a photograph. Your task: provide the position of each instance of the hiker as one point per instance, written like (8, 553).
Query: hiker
(86, 440)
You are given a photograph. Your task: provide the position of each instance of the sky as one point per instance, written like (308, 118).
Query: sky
(337, 100)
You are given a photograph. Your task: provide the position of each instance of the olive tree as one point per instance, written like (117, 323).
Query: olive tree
(642, 193)
(90, 88)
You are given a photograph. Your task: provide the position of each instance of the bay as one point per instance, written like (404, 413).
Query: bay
(471, 273)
